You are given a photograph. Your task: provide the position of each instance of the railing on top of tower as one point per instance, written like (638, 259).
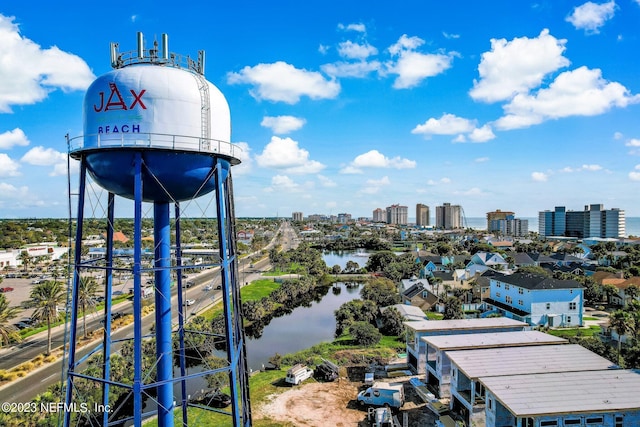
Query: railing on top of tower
(155, 140)
(156, 56)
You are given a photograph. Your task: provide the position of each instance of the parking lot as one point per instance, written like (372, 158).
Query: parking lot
(20, 294)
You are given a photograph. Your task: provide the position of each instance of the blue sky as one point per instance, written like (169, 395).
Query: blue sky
(351, 106)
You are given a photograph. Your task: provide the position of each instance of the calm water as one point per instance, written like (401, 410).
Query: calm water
(303, 328)
(341, 258)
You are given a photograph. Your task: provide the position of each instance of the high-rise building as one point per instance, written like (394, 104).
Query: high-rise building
(497, 215)
(379, 215)
(510, 226)
(397, 214)
(344, 218)
(448, 216)
(593, 221)
(297, 216)
(422, 215)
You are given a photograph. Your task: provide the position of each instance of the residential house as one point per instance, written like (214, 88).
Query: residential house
(405, 284)
(418, 296)
(468, 366)
(581, 398)
(416, 347)
(482, 285)
(536, 299)
(438, 373)
(489, 259)
(522, 259)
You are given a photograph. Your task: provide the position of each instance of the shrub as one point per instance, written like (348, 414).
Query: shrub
(365, 333)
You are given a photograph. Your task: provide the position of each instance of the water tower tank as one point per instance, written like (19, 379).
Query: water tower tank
(162, 106)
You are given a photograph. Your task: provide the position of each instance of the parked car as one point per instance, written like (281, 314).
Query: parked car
(6, 289)
(214, 399)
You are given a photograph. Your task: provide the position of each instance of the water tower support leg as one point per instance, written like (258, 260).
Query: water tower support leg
(74, 298)
(164, 368)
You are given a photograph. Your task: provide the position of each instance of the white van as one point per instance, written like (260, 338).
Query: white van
(298, 373)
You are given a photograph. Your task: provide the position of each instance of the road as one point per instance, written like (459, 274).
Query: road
(38, 381)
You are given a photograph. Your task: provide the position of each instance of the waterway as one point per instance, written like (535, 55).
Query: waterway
(306, 325)
(303, 328)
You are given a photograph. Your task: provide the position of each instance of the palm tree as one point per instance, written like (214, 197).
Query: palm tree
(46, 297)
(6, 313)
(87, 290)
(26, 259)
(619, 322)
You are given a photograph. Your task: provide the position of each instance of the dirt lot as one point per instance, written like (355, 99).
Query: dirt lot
(333, 404)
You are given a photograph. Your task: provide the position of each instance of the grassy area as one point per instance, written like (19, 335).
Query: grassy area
(575, 332)
(591, 318)
(434, 316)
(253, 291)
(258, 289)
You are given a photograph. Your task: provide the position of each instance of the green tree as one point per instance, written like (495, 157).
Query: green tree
(381, 291)
(46, 297)
(632, 291)
(392, 322)
(609, 291)
(452, 309)
(219, 379)
(87, 290)
(379, 260)
(365, 334)
(26, 260)
(7, 331)
(276, 360)
(619, 321)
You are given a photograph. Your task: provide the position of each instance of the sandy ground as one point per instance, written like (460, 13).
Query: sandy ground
(333, 404)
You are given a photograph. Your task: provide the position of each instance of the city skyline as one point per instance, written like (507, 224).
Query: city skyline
(519, 106)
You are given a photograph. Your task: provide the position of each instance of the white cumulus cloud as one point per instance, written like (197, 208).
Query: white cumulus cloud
(8, 167)
(351, 50)
(28, 73)
(635, 174)
(580, 92)
(283, 124)
(447, 124)
(482, 134)
(284, 153)
(516, 66)
(413, 67)
(591, 16)
(282, 82)
(539, 176)
(12, 138)
(375, 159)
